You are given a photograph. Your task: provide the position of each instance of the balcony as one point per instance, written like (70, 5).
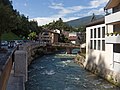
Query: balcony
(112, 39)
(112, 18)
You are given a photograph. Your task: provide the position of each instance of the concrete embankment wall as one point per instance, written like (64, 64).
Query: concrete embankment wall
(99, 67)
(25, 55)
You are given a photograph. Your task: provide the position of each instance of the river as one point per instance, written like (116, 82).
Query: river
(57, 72)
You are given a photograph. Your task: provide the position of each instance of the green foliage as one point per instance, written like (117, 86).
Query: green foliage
(59, 24)
(32, 35)
(10, 36)
(7, 18)
(81, 29)
(114, 33)
(12, 20)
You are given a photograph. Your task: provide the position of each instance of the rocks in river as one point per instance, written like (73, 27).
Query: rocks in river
(46, 72)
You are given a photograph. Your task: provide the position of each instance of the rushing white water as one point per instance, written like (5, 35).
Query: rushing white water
(51, 72)
(59, 73)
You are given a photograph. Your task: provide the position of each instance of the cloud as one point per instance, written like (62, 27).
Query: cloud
(96, 12)
(63, 11)
(93, 7)
(97, 3)
(46, 20)
(56, 6)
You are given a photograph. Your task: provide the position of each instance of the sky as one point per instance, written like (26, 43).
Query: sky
(45, 11)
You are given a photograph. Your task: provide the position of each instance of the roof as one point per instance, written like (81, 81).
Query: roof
(111, 4)
(96, 22)
(72, 38)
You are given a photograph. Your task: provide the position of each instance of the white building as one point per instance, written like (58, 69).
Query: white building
(103, 44)
(112, 39)
(56, 31)
(73, 37)
(95, 42)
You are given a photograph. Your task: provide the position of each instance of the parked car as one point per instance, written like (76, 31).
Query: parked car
(11, 44)
(18, 42)
(4, 43)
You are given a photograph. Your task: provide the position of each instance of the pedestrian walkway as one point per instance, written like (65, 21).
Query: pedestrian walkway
(15, 82)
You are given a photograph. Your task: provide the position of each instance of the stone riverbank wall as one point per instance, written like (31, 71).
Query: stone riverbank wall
(25, 55)
(99, 69)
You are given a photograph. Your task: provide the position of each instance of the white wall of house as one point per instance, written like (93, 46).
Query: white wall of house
(74, 42)
(109, 48)
(112, 18)
(73, 34)
(96, 49)
(57, 31)
(112, 47)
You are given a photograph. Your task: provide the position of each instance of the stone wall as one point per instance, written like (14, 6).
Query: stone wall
(23, 57)
(109, 75)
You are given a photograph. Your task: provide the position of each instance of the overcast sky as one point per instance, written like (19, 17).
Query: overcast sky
(45, 11)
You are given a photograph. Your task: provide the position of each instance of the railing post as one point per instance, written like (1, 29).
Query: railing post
(20, 64)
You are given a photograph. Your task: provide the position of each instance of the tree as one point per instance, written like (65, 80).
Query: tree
(59, 24)
(32, 35)
(81, 29)
(7, 19)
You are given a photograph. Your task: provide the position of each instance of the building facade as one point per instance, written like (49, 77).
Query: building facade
(103, 44)
(95, 42)
(72, 37)
(112, 22)
(48, 36)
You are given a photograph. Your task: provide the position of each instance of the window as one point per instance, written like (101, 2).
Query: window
(116, 48)
(103, 45)
(103, 32)
(91, 44)
(95, 33)
(91, 33)
(97, 38)
(98, 44)
(99, 32)
(95, 44)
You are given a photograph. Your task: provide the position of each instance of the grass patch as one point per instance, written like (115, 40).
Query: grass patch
(10, 36)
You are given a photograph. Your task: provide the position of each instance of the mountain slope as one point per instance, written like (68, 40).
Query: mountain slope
(82, 21)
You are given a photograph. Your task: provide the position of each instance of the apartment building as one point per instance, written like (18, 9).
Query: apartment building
(103, 44)
(95, 41)
(48, 36)
(112, 39)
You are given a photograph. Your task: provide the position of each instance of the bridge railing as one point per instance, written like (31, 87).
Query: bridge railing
(65, 44)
